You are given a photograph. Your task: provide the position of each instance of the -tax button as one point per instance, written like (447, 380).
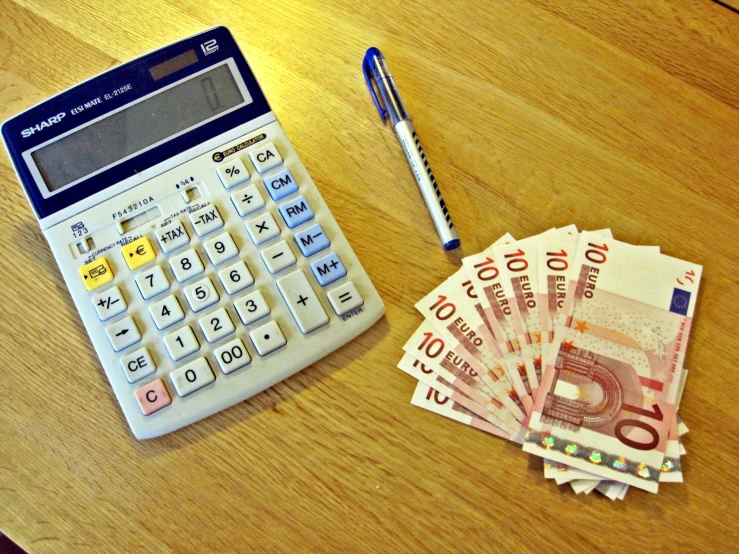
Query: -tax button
(328, 269)
(296, 212)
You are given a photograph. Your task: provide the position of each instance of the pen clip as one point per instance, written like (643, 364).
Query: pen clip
(372, 52)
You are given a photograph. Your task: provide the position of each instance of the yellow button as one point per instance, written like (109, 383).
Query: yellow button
(96, 273)
(138, 253)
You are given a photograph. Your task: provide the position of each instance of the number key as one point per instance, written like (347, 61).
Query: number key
(221, 248)
(236, 277)
(186, 265)
(216, 325)
(166, 312)
(232, 356)
(202, 294)
(252, 307)
(181, 343)
(152, 282)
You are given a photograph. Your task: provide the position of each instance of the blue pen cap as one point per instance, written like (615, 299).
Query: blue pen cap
(377, 75)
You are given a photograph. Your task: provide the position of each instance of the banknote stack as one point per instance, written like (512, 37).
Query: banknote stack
(569, 343)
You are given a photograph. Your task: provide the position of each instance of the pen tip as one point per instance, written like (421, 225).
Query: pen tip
(452, 244)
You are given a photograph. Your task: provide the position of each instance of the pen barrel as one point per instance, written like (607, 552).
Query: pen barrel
(427, 184)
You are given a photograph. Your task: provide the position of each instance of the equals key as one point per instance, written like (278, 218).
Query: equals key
(345, 298)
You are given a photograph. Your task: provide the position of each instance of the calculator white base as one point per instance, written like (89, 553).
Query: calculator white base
(162, 191)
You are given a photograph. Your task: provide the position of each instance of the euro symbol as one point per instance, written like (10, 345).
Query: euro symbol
(141, 250)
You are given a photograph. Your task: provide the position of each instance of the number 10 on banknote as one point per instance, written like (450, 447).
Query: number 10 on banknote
(611, 377)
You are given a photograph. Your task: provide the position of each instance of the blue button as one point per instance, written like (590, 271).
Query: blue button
(328, 269)
(312, 240)
(296, 212)
(281, 185)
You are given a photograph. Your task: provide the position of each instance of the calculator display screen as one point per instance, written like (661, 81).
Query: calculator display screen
(137, 127)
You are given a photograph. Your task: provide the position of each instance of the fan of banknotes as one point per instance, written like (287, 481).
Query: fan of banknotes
(569, 343)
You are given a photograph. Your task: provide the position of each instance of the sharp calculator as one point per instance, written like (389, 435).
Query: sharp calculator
(201, 257)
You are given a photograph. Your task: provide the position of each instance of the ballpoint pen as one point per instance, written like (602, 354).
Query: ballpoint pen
(376, 70)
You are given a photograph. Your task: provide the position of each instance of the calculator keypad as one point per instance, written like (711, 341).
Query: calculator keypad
(172, 236)
(252, 307)
(266, 157)
(186, 265)
(220, 248)
(123, 334)
(233, 173)
(312, 240)
(302, 301)
(267, 338)
(262, 228)
(181, 343)
(232, 356)
(191, 377)
(248, 200)
(216, 325)
(152, 282)
(201, 294)
(207, 252)
(278, 256)
(137, 365)
(206, 220)
(296, 212)
(109, 303)
(167, 312)
(236, 277)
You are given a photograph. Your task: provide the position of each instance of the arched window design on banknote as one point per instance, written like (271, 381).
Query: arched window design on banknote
(588, 390)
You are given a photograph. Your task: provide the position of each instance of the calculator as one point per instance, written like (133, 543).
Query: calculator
(201, 257)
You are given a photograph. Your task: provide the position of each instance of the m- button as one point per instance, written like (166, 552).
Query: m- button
(138, 253)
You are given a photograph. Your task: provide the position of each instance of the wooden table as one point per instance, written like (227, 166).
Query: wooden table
(534, 114)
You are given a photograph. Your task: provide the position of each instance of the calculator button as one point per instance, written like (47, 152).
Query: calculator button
(267, 338)
(109, 303)
(137, 365)
(247, 200)
(172, 236)
(194, 376)
(296, 212)
(152, 281)
(138, 253)
(302, 301)
(328, 269)
(216, 325)
(236, 277)
(181, 343)
(97, 273)
(232, 356)
(281, 185)
(262, 228)
(312, 240)
(202, 294)
(166, 312)
(278, 256)
(206, 220)
(252, 307)
(221, 248)
(123, 334)
(345, 298)
(152, 397)
(186, 265)
(233, 173)
(266, 157)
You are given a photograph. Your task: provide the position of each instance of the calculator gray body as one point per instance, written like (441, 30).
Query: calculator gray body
(176, 191)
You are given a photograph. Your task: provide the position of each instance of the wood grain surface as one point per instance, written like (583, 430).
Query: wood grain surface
(533, 114)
